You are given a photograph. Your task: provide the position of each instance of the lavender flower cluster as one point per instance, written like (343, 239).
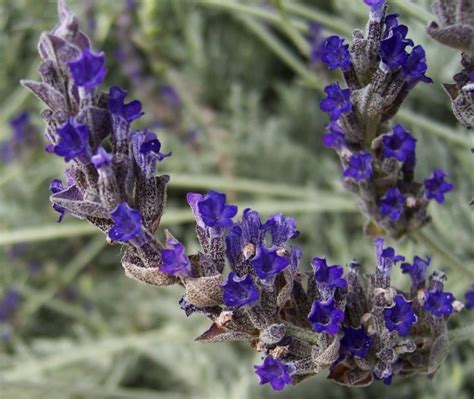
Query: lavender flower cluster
(247, 278)
(380, 69)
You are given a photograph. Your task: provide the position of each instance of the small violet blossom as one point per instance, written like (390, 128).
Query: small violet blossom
(337, 101)
(356, 342)
(117, 106)
(439, 303)
(127, 224)
(392, 204)
(417, 271)
(326, 317)
(88, 70)
(360, 166)
(174, 260)
(57, 186)
(400, 316)
(281, 228)
(73, 141)
(385, 258)
(267, 263)
(436, 186)
(330, 276)
(275, 372)
(214, 211)
(239, 291)
(335, 53)
(334, 138)
(398, 144)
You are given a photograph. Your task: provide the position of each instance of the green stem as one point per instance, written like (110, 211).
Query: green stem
(434, 246)
(462, 334)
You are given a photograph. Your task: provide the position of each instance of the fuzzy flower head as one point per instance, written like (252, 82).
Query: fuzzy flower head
(360, 167)
(275, 372)
(337, 101)
(239, 291)
(117, 106)
(57, 186)
(334, 138)
(385, 257)
(392, 204)
(326, 317)
(147, 151)
(214, 211)
(469, 297)
(356, 342)
(267, 263)
(416, 270)
(88, 70)
(335, 53)
(400, 316)
(73, 141)
(330, 276)
(439, 303)
(127, 223)
(398, 144)
(436, 187)
(281, 228)
(174, 261)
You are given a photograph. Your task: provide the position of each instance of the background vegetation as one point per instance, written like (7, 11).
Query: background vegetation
(248, 123)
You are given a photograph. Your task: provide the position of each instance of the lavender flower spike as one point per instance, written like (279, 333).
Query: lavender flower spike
(239, 291)
(275, 372)
(88, 70)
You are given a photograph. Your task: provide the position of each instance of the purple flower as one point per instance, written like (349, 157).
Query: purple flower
(392, 47)
(375, 4)
(101, 159)
(275, 372)
(415, 66)
(174, 260)
(9, 304)
(417, 270)
(73, 141)
(56, 186)
(193, 200)
(328, 275)
(385, 257)
(267, 263)
(356, 342)
(326, 317)
(233, 245)
(295, 257)
(439, 303)
(88, 70)
(376, 9)
(400, 316)
(399, 144)
(436, 187)
(337, 101)
(215, 212)
(146, 151)
(239, 291)
(127, 224)
(335, 136)
(282, 229)
(392, 203)
(335, 53)
(469, 296)
(251, 227)
(117, 106)
(360, 166)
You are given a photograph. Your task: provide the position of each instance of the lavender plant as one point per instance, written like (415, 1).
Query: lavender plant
(247, 277)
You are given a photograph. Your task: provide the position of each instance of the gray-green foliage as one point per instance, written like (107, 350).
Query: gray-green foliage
(257, 121)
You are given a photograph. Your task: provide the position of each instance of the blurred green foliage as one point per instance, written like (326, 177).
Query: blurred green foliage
(83, 330)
